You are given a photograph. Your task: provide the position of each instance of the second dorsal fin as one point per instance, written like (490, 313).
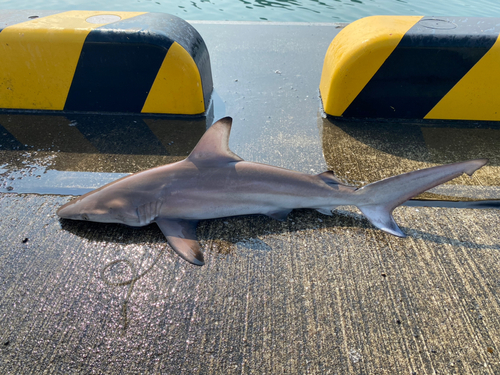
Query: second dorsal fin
(329, 178)
(213, 147)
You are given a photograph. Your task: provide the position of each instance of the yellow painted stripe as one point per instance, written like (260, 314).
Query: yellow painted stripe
(177, 88)
(38, 58)
(355, 55)
(477, 95)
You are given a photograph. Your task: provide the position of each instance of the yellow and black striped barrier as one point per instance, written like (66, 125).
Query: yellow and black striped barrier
(89, 61)
(414, 67)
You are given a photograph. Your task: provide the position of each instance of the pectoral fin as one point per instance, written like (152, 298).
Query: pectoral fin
(181, 235)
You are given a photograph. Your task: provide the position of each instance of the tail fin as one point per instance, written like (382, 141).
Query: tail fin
(379, 199)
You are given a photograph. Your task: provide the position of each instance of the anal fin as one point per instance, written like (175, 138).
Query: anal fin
(325, 211)
(279, 215)
(181, 235)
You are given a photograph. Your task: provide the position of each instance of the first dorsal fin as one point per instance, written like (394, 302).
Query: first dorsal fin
(213, 147)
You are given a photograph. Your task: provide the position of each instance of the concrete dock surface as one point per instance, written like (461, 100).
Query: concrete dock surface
(314, 294)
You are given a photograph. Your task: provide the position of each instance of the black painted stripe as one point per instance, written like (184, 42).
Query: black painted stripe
(430, 59)
(107, 78)
(188, 37)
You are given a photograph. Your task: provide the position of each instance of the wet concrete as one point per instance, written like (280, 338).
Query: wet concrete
(314, 294)
(351, 147)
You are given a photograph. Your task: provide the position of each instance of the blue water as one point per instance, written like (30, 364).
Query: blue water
(275, 10)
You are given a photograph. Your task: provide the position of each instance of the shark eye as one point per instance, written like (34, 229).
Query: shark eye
(85, 217)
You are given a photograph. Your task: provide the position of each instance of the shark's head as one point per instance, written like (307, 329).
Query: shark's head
(102, 207)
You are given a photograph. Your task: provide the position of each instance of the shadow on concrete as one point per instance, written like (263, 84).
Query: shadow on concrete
(223, 235)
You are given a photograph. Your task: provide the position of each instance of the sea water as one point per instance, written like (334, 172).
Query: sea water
(274, 10)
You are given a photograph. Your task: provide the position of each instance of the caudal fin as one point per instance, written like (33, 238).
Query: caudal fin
(379, 199)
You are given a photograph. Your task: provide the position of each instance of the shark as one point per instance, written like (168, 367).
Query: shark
(213, 182)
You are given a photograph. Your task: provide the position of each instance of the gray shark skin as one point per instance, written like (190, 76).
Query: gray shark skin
(213, 182)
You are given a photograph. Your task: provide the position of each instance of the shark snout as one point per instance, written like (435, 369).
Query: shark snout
(81, 208)
(64, 211)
